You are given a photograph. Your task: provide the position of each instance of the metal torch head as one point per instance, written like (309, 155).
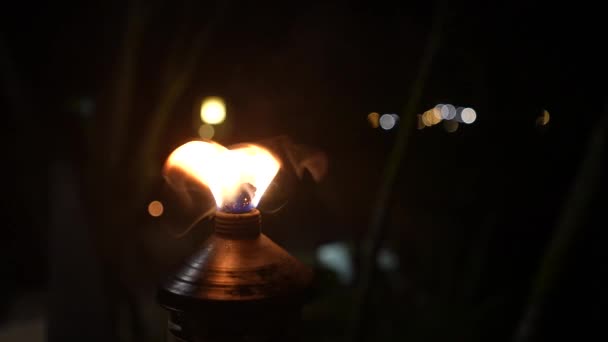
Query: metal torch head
(236, 263)
(238, 286)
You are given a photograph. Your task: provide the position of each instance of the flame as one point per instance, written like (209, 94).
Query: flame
(224, 171)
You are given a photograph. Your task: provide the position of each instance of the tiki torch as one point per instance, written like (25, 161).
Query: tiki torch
(239, 285)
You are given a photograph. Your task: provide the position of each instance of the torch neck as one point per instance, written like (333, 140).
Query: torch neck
(238, 226)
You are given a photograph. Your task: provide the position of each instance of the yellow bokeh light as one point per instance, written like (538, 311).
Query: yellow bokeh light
(155, 208)
(437, 114)
(213, 110)
(206, 131)
(544, 118)
(373, 119)
(420, 122)
(429, 118)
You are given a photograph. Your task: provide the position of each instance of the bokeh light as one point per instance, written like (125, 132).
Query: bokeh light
(337, 257)
(437, 114)
(544, 118)
(447, 111)
(451, 112)
(387, 260)
(206, 131)
(468, 115)
(387, 121)
(373, 119)
(448, 114)
(430, 118)
(420, 122)
(427, 119)
(213, 110)
(155, 208)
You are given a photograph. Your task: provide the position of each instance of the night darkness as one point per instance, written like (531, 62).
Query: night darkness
(493, 232)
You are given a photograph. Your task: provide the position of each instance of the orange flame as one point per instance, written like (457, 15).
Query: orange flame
(224, 170)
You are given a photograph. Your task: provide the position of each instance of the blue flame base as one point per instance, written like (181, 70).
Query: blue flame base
(242, 204)
(236, 208)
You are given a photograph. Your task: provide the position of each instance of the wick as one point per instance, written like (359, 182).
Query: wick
(242, 203)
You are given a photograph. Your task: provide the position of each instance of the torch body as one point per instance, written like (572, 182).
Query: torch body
(238, 286)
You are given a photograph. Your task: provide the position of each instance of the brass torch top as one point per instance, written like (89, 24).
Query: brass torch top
(236, 263)
(238, 226)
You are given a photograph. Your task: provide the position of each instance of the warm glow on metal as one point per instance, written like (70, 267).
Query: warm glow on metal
(213, 110)
(224, 171)
(155, 208)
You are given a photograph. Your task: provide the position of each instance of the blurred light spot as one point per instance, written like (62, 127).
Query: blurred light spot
(387, 260)
(468, 115)
(451, 112)
(450, 126)
(336, 257)
(155, 208)
(396, 117)
(434, 120)
(459, 113)
(213, 110)
(543, 119)
(445, 111)
(430, 117)
(420, 122)
(437, 111)
(426, 119)
(387, 121)
(372, 118)
(206, 131)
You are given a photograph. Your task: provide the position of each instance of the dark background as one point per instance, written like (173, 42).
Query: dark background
(95, 95)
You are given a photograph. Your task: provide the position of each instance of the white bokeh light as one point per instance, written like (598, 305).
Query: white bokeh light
(336, 257)
(387, 121)
(445, 111)
(468, 115)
